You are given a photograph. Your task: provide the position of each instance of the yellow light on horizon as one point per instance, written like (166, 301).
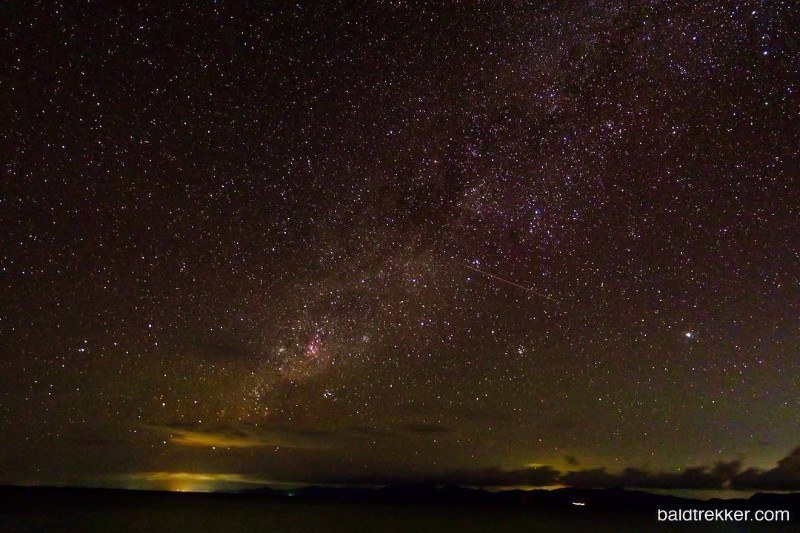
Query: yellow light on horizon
(190, 481)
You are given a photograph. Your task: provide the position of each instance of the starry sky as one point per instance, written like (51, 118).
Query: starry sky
(328, 241)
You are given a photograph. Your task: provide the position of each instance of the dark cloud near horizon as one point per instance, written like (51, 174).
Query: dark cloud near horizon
(722, 475)
(785, 476)
(533, 476)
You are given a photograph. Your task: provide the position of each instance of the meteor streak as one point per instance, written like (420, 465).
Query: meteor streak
(513, 284)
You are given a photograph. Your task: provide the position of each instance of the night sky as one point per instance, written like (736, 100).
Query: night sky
(331, 242)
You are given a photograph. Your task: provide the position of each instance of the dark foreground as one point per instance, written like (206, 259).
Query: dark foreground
(413, 508)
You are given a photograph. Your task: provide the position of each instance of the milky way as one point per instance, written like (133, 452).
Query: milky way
(309, 241)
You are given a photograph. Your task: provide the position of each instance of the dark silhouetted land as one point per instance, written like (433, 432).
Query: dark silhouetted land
(396, 508)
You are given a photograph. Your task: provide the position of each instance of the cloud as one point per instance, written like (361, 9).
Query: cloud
(190, 481)
(537, 476)
(594, 477)
(245, 436)
(696, 477)
(722, 475)
(785, 476)
(252, 436)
